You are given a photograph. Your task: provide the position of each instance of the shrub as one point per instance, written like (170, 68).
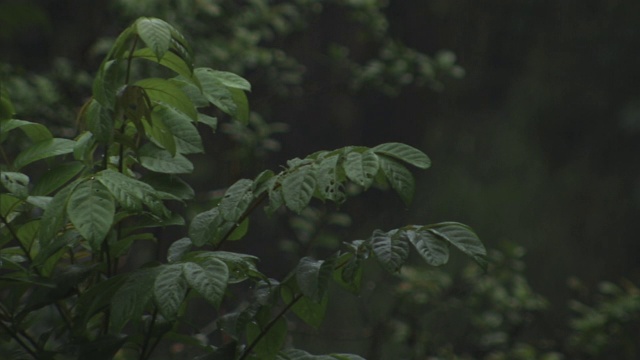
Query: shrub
(67, 227)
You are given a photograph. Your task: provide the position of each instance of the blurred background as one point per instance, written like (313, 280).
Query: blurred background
(529, 110)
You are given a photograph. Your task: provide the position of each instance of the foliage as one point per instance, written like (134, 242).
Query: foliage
(68, 227)
(609, 327)
(497, 315)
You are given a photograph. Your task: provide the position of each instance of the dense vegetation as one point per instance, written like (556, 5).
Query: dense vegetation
(536, 146)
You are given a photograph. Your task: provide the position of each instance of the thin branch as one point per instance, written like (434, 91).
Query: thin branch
(268, 327)
(17, 338)
(147, 337)
(243, 217)
(130, 59)
(14, 234)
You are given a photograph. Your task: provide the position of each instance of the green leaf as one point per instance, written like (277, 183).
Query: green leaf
(228, 79)
(159, 132)
(310, 311)
(178, 248)
(95, 299)
(391, 249)
(169, 290)
(170, 184)
(164, 91)
(298, 187)
(155, 33)
(210, 282)
(56, 177)
(91, 209)
(84, 148)
(399, 177)
(121, 45)
(6, 107)
(107, 82)
(181, 46)
(313, 277)
(160, 160)
(16, 183)
(295, 354)
(361, 168)
(240, 230)
(209, 227)
(215, 91)
(42, 150)
(100, 122)
(210, 121)
(405, 153)
(39, 201)
(431, 247)
(272, 341)
(131, 299)
(241, 266)
(462, 237)
(187, 139)
(35, 132)
(236, 200)
(349, 276)
(200, 230)
(242, 106)
(132, 194)
(170, 61)
(55, 214)
(328, 180)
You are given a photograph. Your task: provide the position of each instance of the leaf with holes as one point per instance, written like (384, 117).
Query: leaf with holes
(91, 209)
(16, 183)
(361, 168)
(329, 180)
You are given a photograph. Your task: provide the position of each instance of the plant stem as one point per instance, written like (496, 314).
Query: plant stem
(130, 59)
(268, 327)
(245, 215)
(17, 338)
(15, 236)
(147, 337)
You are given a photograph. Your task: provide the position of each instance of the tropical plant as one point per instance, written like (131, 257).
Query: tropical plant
(67, 227)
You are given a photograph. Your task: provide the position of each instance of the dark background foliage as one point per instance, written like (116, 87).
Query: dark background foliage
(537, 145)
